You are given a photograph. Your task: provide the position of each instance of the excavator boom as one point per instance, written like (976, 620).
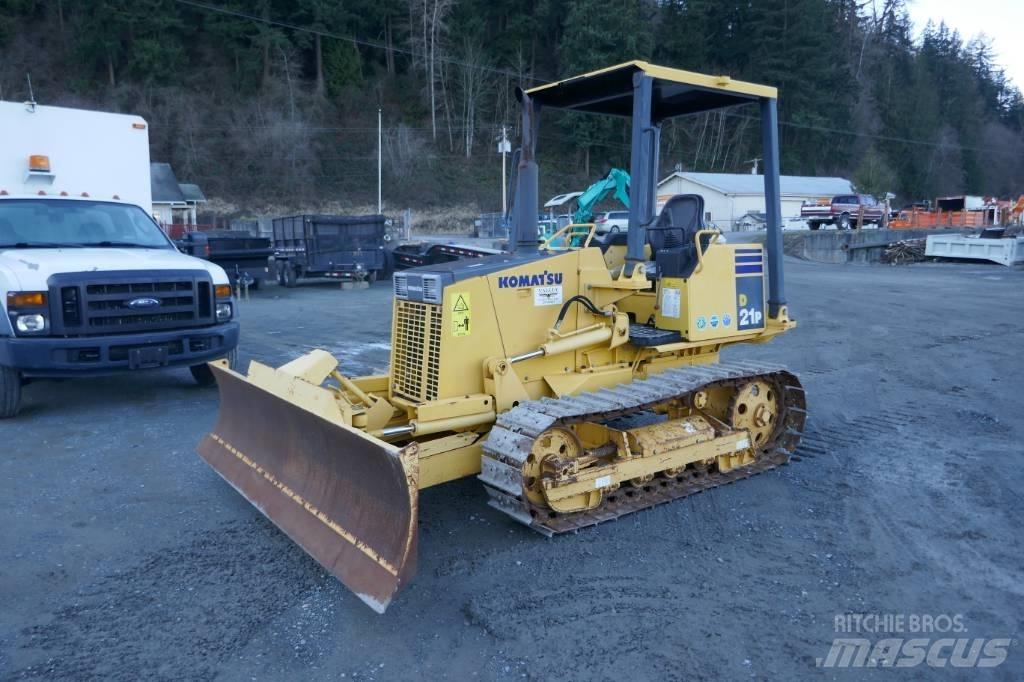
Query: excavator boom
(616, 181)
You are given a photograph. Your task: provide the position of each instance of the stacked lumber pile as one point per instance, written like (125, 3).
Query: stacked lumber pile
(904, 251)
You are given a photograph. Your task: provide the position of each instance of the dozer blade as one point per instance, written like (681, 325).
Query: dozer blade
(348, 499)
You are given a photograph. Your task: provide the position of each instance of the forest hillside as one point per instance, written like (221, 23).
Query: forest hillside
(275, 101)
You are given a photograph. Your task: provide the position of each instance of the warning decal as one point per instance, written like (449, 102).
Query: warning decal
(460, 315)
(670, 301)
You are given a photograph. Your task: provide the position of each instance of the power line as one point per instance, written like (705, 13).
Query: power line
(352, 39)
(518, 76)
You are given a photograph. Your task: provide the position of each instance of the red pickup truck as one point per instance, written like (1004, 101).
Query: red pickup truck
(843, 212)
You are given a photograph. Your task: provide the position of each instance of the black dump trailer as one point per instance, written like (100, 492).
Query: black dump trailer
(415, 254)
(242, 255)
(342, 247)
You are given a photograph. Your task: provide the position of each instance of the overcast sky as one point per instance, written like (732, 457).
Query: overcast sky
(1001, 20)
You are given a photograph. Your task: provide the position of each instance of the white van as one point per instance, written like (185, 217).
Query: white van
(89, 284)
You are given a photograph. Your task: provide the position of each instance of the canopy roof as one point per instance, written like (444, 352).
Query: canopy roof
(676, 92)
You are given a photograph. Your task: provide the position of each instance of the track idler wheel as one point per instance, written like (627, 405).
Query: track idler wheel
(554, 456)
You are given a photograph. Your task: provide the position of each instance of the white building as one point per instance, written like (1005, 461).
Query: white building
(736, 200)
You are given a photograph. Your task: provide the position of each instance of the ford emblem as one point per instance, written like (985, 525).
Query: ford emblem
(137, 303)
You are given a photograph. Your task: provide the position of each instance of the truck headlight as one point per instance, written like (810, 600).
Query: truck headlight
(224, 312)
(31, 324)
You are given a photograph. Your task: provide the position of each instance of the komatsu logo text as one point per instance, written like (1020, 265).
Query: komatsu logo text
(540, 279)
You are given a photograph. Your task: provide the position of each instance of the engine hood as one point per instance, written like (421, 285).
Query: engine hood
(29, 269)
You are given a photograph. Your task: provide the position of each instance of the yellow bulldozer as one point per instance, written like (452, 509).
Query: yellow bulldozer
(579, 379)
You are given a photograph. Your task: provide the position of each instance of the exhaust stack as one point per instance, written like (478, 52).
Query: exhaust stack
(524, 222)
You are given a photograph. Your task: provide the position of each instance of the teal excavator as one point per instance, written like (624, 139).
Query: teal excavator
(616, 181)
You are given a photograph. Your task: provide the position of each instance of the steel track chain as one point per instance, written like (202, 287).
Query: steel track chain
(512, 437)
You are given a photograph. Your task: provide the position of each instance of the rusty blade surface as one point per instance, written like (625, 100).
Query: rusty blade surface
(346, 498)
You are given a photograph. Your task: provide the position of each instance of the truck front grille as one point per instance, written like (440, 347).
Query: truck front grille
(416, 350)
(102, 303)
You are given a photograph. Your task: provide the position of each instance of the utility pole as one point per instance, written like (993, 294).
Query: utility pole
(504, 147)
(380, 161)
(31, 103)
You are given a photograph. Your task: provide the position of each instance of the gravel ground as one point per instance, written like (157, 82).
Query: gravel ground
(125, 556)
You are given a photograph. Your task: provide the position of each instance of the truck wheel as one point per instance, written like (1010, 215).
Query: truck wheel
(843, 222)
(204, 375)
(290, 277)
(10, 392)
(815, 226)
(372, 277)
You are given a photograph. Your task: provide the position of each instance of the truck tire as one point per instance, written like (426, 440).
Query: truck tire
(10, 392)
(372, 277)
(814, 225)
(204, 375)
(843, 222)
(291, 278)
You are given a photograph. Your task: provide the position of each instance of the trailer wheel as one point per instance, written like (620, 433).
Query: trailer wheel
(10, 392)
(204, 375)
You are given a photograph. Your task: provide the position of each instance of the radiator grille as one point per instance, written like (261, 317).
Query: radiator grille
(123, 302)
(416, 360)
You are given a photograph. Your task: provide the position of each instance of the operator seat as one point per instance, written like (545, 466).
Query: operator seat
(672, 237)
(679, 220)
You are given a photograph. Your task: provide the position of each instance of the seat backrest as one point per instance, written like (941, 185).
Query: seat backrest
(683, 210)
(680, 219)
(672, 240)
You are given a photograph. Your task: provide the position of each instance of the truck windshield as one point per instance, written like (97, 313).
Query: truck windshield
(55, 223)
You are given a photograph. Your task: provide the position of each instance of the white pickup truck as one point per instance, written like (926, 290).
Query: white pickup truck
(89, 284)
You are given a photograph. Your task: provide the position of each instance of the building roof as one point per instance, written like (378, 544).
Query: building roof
(745, 183)
(557, 201)
(164, 184)
(192, 193)
(676, 92)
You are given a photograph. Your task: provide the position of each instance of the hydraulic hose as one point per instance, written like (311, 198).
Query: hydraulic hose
(585, 302)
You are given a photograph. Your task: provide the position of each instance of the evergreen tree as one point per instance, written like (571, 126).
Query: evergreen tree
(284, 112)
